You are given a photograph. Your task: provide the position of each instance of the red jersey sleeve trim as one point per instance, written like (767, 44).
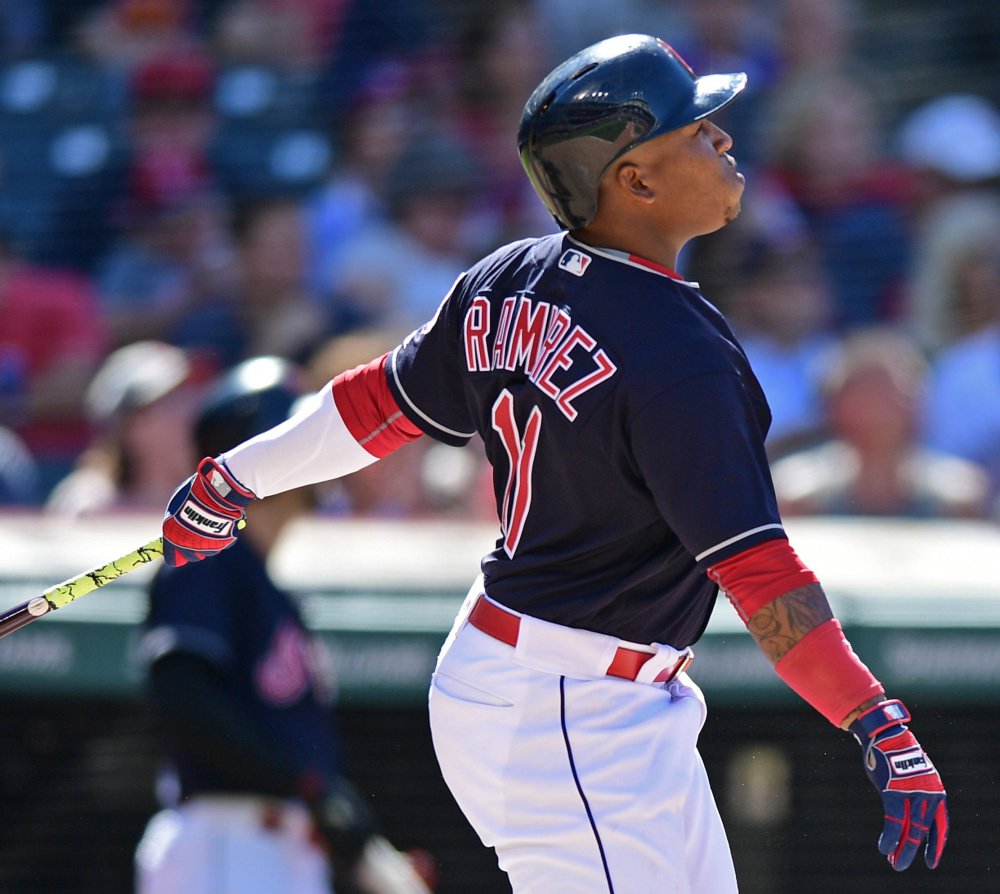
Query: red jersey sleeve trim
(759, 575)
(369, 410)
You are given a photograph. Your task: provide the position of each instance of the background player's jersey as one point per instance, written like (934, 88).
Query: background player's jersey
(625, 428)
(229, 612)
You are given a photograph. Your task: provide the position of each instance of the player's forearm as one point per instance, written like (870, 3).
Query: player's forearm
(347, 426)
(783, 623)
(786, 611)
(780, 624)
(313, 445)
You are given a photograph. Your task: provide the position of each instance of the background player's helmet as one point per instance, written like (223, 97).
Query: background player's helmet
(599, 104)
(252, 397)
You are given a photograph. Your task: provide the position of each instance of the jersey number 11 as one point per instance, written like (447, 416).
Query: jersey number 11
(521, 460)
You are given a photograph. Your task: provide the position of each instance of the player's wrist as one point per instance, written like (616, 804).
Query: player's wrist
(224, 484)
(886, 716)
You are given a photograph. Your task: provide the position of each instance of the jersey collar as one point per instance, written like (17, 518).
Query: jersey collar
(624, 257)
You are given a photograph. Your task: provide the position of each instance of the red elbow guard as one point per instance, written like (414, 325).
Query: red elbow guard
(823, 669)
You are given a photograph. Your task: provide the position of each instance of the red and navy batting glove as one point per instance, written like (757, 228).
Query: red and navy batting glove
(203, 514)
(913, 796)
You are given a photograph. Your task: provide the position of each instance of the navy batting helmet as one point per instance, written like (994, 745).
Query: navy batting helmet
(599, 104)
(251, 398)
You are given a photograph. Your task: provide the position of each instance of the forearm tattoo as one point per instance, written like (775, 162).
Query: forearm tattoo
(780, 624)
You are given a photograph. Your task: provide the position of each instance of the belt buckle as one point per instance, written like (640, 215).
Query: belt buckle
(681, 665)
(685, 662)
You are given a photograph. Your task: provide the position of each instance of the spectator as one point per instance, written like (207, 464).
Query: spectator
(122, 35)
(378, 125)
(52, 338)
(952, 292)
(947, 164)
(171, 275)
(24, 27)
(810, 39)
(414, 33)
(501, 56)
(295, 35)
(254, 790)
(766, 270)
(394, 272)
(18, 471)
(873, 462)
(956, 293)
(824, 144)
(788, 340)
(571, 25)
(171, 123)
(816, 35)
(141, 403)
(276, 312)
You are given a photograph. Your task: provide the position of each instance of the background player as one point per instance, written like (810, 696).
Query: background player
(243, 699)
(626, 433)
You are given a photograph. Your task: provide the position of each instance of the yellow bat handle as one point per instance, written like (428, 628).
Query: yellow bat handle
(69, 590)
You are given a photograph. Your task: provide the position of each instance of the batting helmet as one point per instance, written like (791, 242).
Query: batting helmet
(251, 398)
(599, 104)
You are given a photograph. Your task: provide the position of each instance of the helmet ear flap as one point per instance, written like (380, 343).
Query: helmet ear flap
(599, 104)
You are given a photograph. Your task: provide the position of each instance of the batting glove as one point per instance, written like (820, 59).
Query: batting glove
(913, 796)
(203, 515)
(344, 822)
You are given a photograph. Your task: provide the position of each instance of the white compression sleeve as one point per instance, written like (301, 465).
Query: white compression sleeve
(313, 445)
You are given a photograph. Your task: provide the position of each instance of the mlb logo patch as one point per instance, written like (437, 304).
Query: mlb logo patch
(575, 262)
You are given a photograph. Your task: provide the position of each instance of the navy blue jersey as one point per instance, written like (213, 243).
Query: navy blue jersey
(624, 425)
(229, 612)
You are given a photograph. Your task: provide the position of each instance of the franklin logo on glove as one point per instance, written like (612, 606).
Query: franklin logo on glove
(206, 523)
(910, 763)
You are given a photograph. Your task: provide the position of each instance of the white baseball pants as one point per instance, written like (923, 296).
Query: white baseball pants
(582, 783)
(231, 845)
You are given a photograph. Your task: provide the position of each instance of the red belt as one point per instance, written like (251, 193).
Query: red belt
(505, 626)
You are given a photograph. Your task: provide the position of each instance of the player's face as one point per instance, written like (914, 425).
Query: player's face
(693, 177)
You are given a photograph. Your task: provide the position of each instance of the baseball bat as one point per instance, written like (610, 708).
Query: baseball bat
(384, 870)
(69, 590)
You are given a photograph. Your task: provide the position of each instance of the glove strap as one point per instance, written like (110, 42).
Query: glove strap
(879, 718)
(224, 483)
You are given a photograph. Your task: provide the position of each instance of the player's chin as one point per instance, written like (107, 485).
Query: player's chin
(734, 204)
(732, 212)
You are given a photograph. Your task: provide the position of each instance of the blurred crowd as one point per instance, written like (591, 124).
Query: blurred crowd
(185, 185)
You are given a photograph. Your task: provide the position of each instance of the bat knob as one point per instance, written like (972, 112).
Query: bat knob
(38, 606)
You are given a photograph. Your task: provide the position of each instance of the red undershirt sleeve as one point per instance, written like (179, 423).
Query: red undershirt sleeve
(759, 575)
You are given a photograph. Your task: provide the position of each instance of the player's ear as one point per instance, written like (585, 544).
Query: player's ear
(628, 177)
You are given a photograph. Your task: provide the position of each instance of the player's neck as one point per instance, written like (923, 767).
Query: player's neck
(632, 241)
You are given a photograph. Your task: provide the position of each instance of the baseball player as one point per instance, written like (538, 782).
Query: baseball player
(255, 797)
(626, 433)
